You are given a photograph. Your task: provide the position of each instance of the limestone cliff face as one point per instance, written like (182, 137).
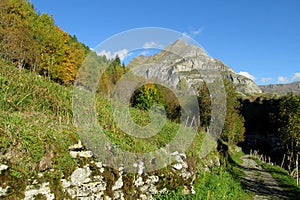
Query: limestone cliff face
(183, 62)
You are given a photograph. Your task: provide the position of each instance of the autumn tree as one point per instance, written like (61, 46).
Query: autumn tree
(15, 38)
(146, 96)
(49, 42)
(73, 57)
(33, 41)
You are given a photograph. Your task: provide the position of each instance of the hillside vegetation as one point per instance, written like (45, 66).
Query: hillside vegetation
(38, 67)
(36, 124)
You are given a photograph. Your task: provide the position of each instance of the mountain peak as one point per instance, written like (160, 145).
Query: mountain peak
(182, 48)
(181, 60)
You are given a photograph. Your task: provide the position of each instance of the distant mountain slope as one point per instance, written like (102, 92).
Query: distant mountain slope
(182, 62)
(282, 88)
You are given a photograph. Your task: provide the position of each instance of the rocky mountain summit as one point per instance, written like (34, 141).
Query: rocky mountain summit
(189, 64)
(282, 88)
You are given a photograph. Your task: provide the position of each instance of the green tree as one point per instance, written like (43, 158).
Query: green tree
(289, 116)
(233, 130)
(204, 105)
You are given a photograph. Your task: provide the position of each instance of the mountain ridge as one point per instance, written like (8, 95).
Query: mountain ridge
(286, 88)
(182, 61)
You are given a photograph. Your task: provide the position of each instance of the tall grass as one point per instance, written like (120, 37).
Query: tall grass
(35, 120)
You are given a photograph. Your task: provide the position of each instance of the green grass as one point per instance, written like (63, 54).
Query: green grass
(285, 181)
(130, 143)
(221, 183)
(218, 184)
(236, 157)
(36, 119)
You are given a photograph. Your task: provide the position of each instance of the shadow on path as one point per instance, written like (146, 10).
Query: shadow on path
(259, 181)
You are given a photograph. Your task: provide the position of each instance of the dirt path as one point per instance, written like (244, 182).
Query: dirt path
(260, 182)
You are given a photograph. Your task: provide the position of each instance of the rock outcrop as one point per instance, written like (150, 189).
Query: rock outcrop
(181, 62)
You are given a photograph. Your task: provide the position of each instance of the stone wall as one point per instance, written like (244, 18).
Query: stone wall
(93, 180)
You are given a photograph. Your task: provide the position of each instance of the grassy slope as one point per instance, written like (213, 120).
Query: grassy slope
(36, 121)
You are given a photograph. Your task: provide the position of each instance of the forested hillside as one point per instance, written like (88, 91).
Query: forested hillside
(34, 42)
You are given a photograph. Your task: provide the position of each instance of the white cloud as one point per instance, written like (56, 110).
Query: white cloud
(266, 79)
(197, 32)
(193, 33)
(186, 35)
(246, 74)
(149, 45)
(108, 54)
(296, 76)
(122, 54)
(282, 79)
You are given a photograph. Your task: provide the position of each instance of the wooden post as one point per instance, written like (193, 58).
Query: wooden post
(282, 161)
(187, 119)
(297, 169)
(192, 121)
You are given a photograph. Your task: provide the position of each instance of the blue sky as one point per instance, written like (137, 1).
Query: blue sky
(256, 37)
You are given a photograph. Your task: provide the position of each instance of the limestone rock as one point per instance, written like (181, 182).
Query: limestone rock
(3, 191)
(178, 166)
(139, 182)
(81, 154)
(65, 183)
(43, 190)
(3, 167)
(118, 184)
(140, 167)
(77, 147)
(107, 198)
(119, 195)
(80, 175)
(152, 179)
(186, 190)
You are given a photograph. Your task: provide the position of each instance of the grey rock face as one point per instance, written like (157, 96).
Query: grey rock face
(282, 88)
(183, 62)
